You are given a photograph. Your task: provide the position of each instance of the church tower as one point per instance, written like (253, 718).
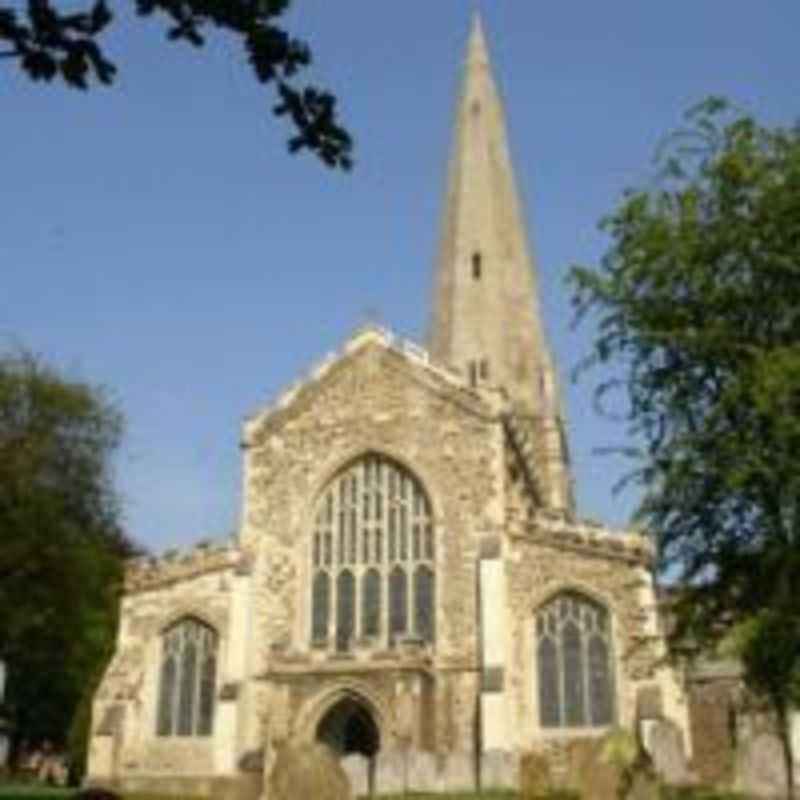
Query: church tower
(486, 320)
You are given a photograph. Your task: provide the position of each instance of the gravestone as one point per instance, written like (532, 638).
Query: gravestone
(424, 776)
(458, 772)
(664, 743)
(356, 767)
(615, 768)
(308, 770)
(535, 780)
(498, 770)
(759, 767)
(391, 772)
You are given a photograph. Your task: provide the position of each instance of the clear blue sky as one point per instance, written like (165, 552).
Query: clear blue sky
(156, 238)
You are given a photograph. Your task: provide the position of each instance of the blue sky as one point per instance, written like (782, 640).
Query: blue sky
(155, 238)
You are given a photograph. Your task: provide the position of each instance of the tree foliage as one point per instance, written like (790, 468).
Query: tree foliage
(61, 544)
(49, 44)
(698, 302)
(767, 645)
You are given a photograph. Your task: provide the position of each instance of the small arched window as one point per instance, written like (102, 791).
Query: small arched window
(574, 663)
(372, 554)
(188, 678)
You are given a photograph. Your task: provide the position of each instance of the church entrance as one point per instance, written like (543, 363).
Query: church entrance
(349, 727)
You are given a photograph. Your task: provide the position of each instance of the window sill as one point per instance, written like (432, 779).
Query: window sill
(586, 732)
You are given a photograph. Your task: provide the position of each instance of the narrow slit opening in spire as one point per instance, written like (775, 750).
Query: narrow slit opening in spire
(477, 265)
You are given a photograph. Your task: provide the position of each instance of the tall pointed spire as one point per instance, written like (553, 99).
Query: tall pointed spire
(485, 316)
(486, 319)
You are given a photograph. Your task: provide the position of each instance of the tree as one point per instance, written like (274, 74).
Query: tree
(49, 44)
(698, 301)
(767, 645)
(61, 544)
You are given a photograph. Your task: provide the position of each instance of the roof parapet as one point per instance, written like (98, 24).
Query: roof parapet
(151, 572)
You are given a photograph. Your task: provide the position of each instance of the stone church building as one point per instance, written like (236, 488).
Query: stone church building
(411, 581)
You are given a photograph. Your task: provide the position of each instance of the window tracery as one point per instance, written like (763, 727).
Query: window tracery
(187, 679)
(574, 663)
(379, 581)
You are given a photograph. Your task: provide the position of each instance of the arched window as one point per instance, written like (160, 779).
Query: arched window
(188, 680)
(573, 659)
(372, 554)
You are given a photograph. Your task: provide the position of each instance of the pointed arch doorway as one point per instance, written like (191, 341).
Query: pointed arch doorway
(349, 727)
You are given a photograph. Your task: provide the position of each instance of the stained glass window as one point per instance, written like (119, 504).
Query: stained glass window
(398, 602)
(424, 605)
(574, 663)
(371, 599)
(547, 661)
(373, 541)
(345, 609)
(166, 705)
(187, 680)
(321, 600)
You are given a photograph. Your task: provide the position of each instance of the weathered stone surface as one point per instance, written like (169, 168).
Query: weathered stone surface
(499, 770)
(712, 716)
(535, 778)
(458, 772)
(392, 772)
(759, 767)
(665, 746)
(357, 768)
(649, 703)
(614, 768)
(309, 770)
(424, 772)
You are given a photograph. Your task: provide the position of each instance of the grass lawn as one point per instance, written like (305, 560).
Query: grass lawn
(32, 791)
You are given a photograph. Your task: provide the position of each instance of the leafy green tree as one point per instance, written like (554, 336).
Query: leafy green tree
(61, 544)
(50, 43)
(698, 304)
(767, 645)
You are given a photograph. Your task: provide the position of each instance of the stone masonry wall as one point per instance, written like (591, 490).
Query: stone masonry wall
(123, 741)
(537, 569)
(375, 400)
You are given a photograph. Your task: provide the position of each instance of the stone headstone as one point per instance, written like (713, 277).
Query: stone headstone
(664, 743)
(356, 767)
(308, 770)
(535, 780)
(498, 770)
(391, 772)
(458, 772)
(759, 767)
(423, 774)
(615, 768)
(649, 703)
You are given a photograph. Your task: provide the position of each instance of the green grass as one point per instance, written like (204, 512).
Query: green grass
(32, 791)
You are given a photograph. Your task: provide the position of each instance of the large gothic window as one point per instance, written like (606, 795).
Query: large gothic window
(574, 663)
(372, 556)
(188, 680)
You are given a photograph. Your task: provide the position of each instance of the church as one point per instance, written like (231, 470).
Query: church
(411, 583)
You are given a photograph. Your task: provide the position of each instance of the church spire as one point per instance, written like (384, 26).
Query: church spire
(486, 320)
